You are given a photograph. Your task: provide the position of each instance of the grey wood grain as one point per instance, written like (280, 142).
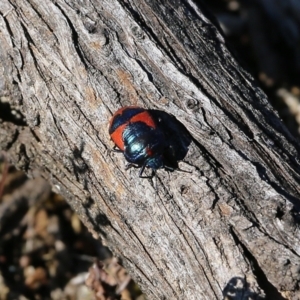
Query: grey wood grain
(227, 229)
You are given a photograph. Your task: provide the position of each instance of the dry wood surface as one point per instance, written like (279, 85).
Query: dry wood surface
(230, 227)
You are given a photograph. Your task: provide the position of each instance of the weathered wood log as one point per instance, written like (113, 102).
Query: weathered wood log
(227, 229)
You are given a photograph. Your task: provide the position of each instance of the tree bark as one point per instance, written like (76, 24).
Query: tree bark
(230, 228)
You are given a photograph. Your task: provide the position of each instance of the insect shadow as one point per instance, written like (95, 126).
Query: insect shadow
(177, 138)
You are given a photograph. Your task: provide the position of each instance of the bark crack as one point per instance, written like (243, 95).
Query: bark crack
(74, 36)
(262, 280)
(191, 248)
(150, 257)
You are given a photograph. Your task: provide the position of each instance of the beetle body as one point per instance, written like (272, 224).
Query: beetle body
(135, 132)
